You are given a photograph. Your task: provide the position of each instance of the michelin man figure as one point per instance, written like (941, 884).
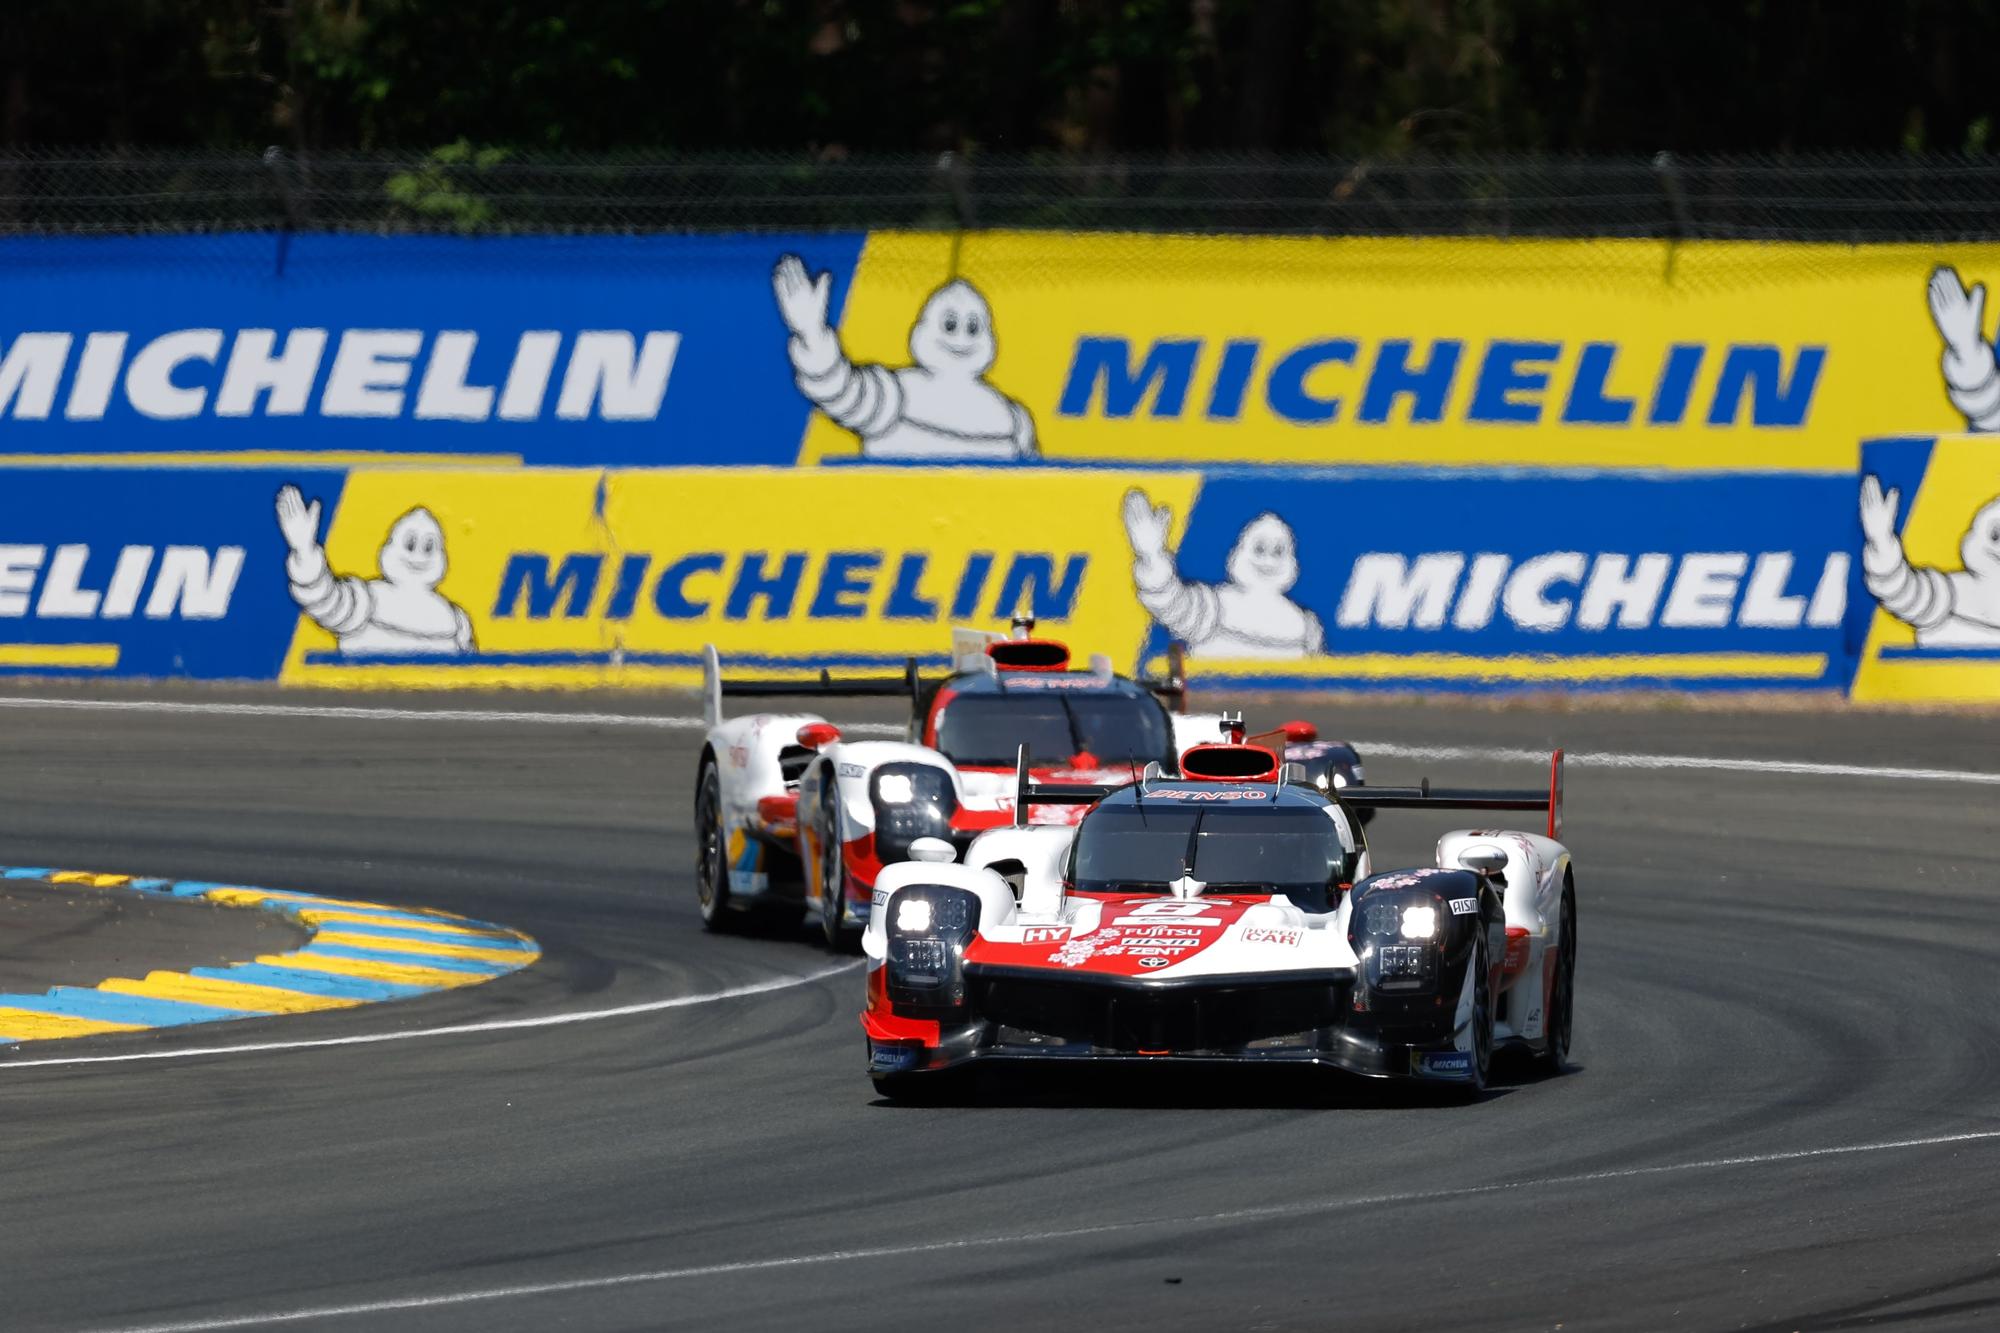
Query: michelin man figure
(400, 612)
(939, 408)
(1948, 609)
(1249, 616)
(1970, 376)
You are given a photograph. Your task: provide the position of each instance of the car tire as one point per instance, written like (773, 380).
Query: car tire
(1481, 1024)
(1554, 1057)
(711, 872)
(833, 880)
(1482, 1018)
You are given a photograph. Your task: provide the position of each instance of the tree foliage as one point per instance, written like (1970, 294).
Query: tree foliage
(833, 77)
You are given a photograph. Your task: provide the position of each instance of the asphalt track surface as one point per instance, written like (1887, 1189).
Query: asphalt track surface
(1784, 1116)
(65, 935)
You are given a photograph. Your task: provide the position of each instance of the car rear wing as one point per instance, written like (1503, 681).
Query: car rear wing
(1426, 797)
(1171, 688)
(1028, 792)
(715, 687)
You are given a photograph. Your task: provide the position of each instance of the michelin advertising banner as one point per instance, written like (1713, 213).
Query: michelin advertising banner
(538, 576)
(1345, 462)
(989, 348)
(546, 350)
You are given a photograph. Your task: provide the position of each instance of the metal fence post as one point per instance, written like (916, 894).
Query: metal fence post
(1668, 171)
(952, 167)
(275, 163)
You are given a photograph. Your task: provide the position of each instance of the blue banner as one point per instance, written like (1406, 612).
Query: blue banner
(1478, 579)
(635, 351)
(165, 572)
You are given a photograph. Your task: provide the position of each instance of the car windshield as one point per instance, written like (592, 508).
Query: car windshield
(1294, 852)
(1114, 729)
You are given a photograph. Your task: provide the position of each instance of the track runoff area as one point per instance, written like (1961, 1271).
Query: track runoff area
(1782, 1115)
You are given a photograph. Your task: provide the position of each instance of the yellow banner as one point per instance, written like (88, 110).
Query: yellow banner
(1226, 350)
(548, 577)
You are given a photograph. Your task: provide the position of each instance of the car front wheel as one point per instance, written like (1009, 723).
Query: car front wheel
(833, 881)
(1562, 995)
(711, 867)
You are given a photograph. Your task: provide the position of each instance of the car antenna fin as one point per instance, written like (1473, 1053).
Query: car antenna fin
(1021, 786)
(711, 685)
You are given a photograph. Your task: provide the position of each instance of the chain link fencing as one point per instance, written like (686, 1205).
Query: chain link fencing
(1843, 199)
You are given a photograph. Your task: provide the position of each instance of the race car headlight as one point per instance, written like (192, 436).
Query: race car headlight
(1395, 937)
(929, 929)
(913, 915)
(911, 801)
(1400, 962)
(1382, 918)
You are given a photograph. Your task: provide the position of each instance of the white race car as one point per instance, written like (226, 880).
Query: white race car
(1227, 915)
(790, 815)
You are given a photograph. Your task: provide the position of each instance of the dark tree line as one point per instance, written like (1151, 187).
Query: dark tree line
(830, 77)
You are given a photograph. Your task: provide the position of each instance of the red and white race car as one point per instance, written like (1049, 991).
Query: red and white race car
(791, 815)
(1227, 915)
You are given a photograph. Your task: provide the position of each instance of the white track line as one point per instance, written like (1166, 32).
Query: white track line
(1369, 749)
(1614, 759)
(353, 712)
(453, 1030)
(374, 713)
(1269, 1212)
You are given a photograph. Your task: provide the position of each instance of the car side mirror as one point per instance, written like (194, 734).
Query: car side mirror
(818, 735)
(935, 850)
(1299, 732)
(1484, 857)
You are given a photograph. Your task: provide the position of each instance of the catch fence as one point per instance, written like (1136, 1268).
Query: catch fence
(1841, 199)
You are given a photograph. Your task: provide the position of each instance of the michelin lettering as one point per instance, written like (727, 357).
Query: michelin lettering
(781, 585)
(939, 408)
(1591, 591)
(611, 375)
(1512, 381)
(68, 582)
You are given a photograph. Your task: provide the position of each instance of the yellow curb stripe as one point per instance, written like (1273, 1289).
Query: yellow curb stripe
(33, 1025)
(399, 973)
(440, 949)
(86, 877)
(236, 895)
(313, 917)
(238, 995)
